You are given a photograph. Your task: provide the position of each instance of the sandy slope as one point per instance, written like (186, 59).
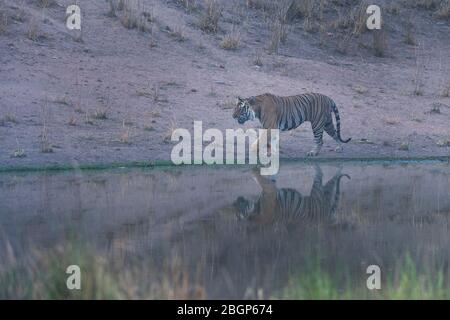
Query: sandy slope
(56, 81)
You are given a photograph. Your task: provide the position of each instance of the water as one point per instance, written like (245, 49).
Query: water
(202, 232)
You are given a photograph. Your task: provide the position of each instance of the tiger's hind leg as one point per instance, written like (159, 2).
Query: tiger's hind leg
(331, 131)
(318, 141)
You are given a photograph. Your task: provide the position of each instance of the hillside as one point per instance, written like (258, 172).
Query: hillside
(115, 92)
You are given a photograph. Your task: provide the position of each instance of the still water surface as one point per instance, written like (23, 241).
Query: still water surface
(199, 232)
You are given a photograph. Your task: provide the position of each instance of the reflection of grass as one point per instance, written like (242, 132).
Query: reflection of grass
(406, 283)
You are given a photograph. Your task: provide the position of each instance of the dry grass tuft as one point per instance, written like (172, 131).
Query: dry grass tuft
(113, 7)
(178, 33)
(188, 4)
(33, 29)
(46, 3)
(168, 135)
(153, 93)
(135, 15)
(358, 18)
(64, 100)
(354, 19)
(257, 59)
(343, 21)
(444, 10)
(258, 4)
(88, 119)
(425, 4)
(19, 153)
(125, 136)
(72, 121)
(46, 146)
(404, 146)
(278, 18)
(8, 118)
(152, 41)
(344, 43)
(20, 13)
(443, 143)
(418, 91)
(100, 114)
(3, 22)
(435, 109)
(393, 8)
(446, 92)
(409, 37)
(209, 19)
(419, 71)
(226, 105)
(379, 42)
(277, 34)
(155, 114)
(231, 41)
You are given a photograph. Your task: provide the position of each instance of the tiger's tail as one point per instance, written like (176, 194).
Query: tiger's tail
(338, 122)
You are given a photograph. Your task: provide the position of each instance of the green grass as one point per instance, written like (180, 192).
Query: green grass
(43, 276)
(405, 283)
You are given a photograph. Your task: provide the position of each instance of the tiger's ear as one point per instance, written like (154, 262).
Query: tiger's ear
(252, 100)
(239, 100)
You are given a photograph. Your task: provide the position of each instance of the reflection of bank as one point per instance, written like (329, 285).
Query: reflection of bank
(288, 205)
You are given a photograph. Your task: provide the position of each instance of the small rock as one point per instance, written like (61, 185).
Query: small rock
(404, 146)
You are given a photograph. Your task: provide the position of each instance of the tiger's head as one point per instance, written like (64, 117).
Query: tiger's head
(245, 208)
(244, 110)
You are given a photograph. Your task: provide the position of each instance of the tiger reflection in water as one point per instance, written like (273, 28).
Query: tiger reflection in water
(288, 205)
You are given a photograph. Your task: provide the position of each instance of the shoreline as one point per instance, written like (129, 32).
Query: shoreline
(168, 163)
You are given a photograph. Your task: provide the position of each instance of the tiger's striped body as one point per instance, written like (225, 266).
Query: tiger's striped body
(288, 205)
(287, 113)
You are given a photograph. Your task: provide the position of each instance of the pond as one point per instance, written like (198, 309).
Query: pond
(227, 232)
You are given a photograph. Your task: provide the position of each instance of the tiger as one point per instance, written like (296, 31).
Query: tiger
(288, 205)
(287, 113)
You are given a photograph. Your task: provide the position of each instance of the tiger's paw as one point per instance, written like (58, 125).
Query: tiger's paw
(339, 149)
(312, 153)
